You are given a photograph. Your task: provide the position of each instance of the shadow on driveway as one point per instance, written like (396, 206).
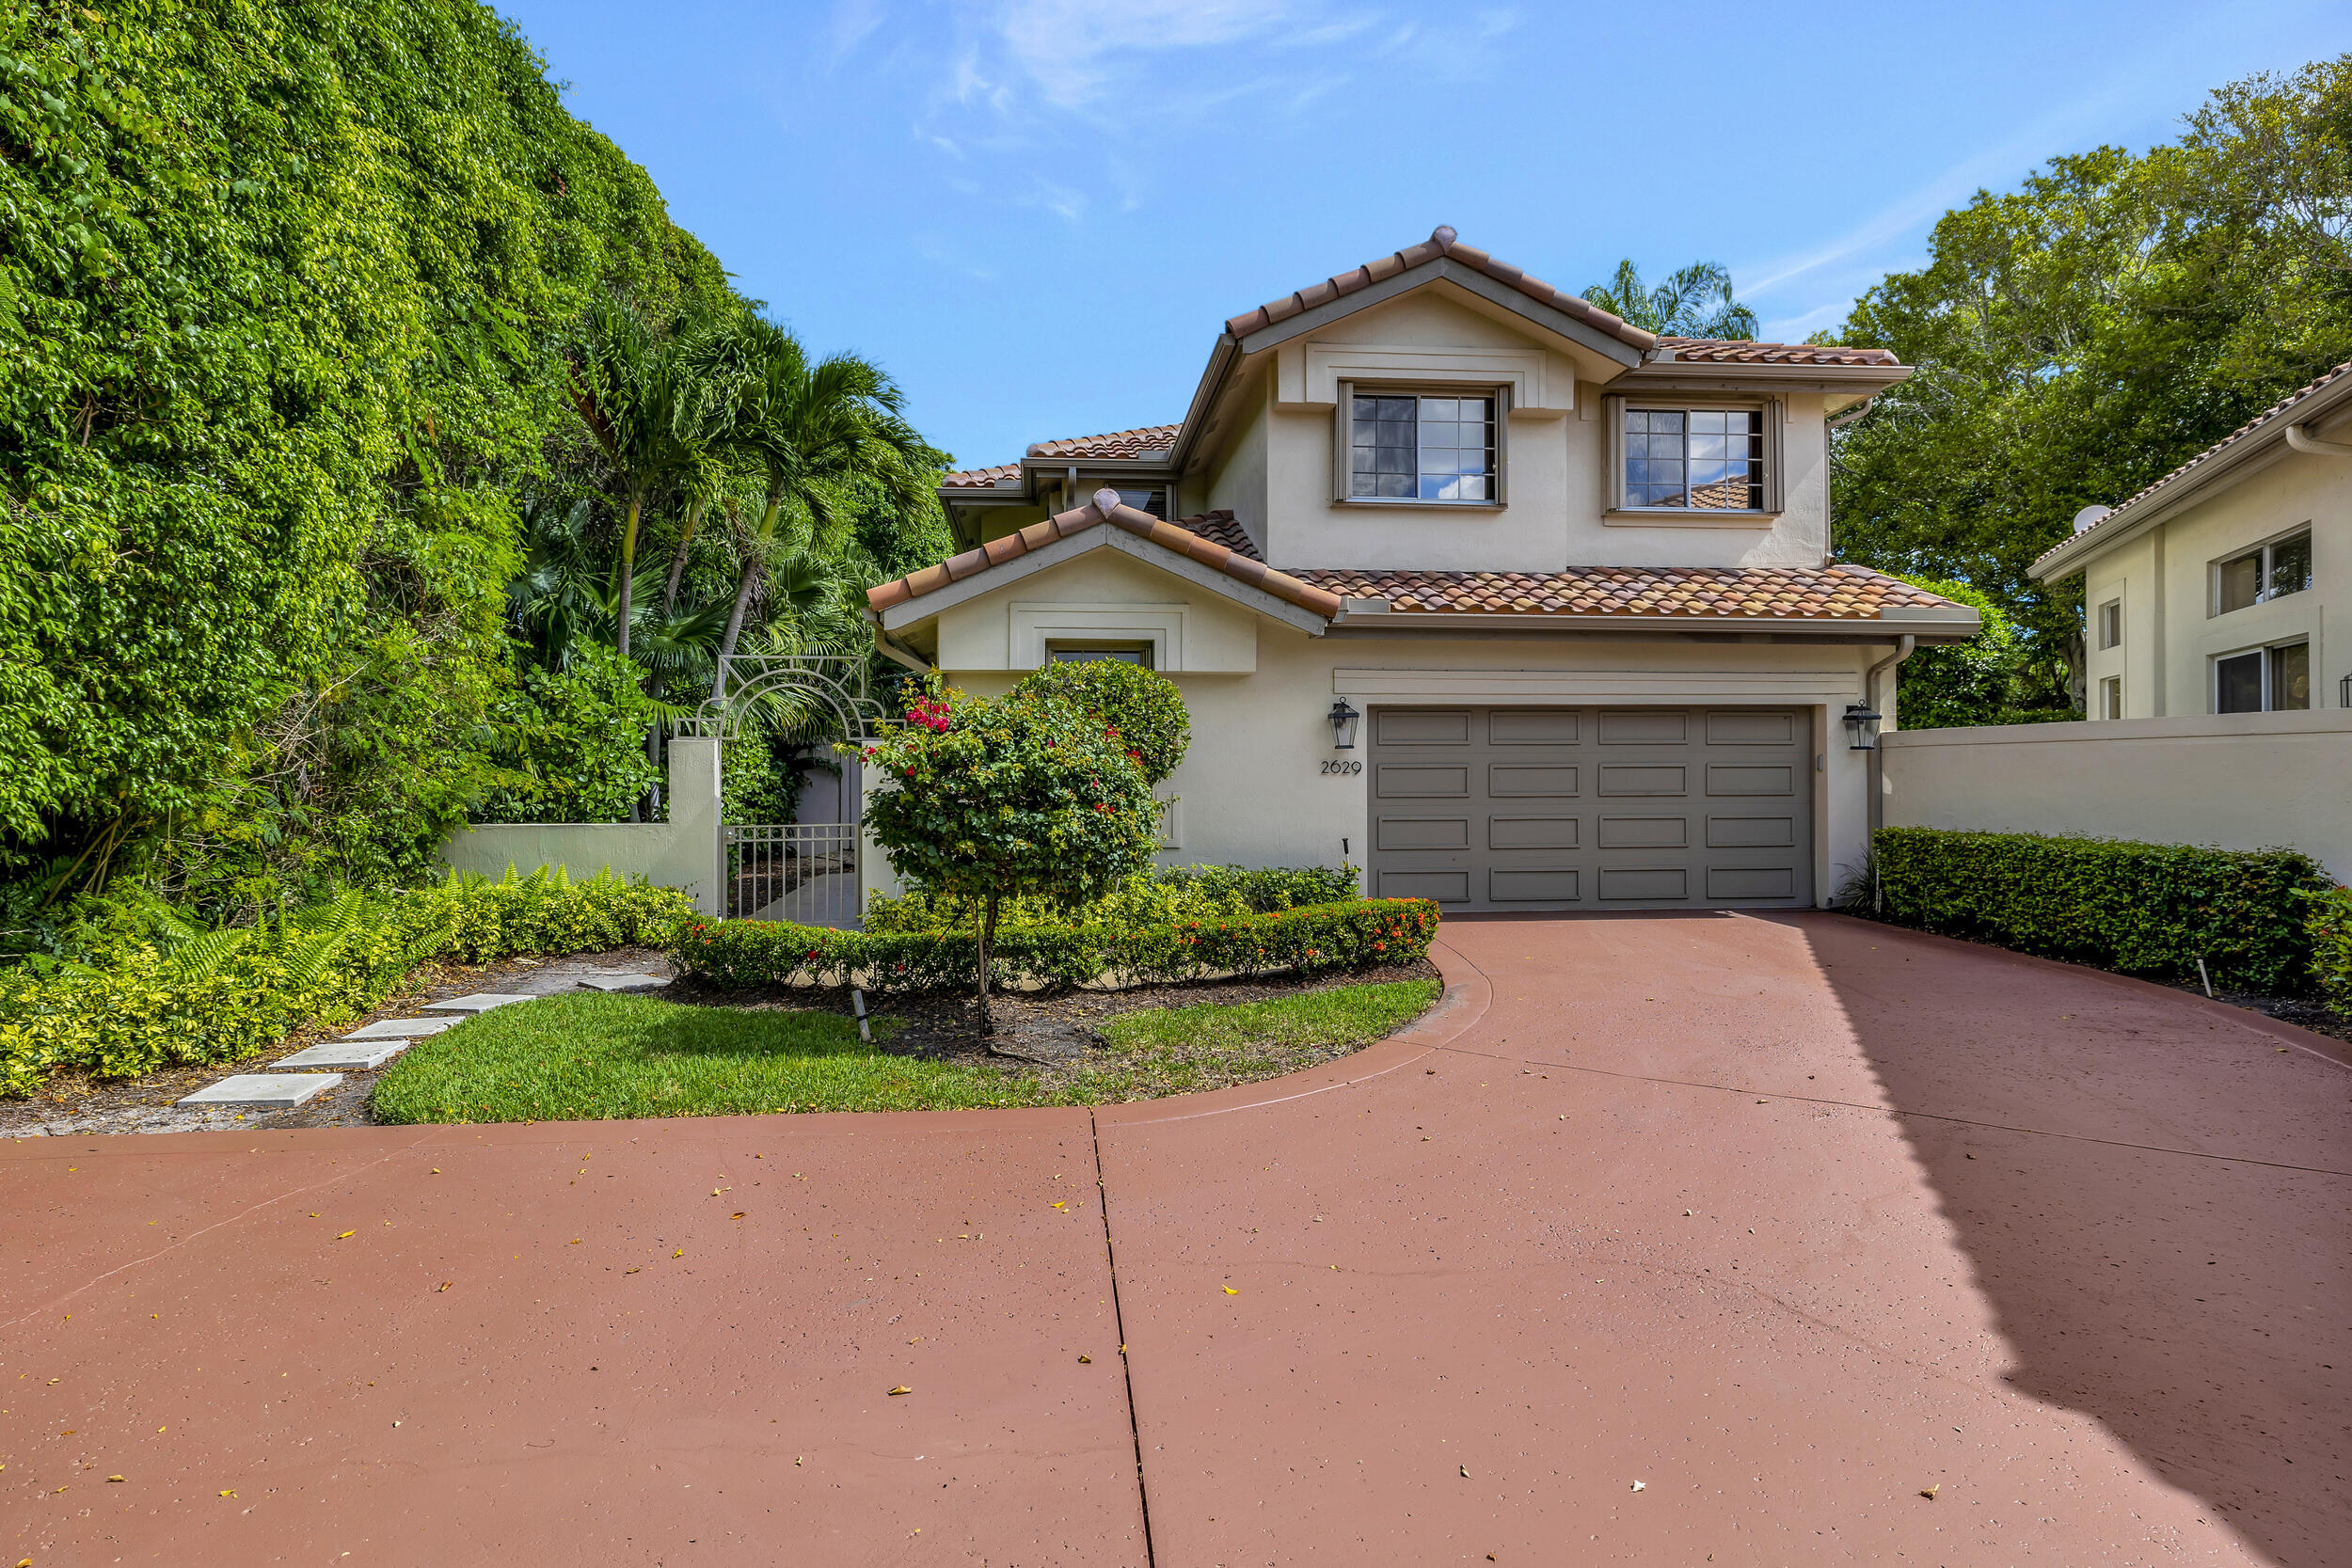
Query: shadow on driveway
(2168, 1249)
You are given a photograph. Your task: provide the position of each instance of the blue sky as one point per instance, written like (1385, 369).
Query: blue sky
(1036, 214)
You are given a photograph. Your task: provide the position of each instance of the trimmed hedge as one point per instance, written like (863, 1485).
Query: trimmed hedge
(2330, 928)
(222, 996)
(2138, 909)
(1359, 934)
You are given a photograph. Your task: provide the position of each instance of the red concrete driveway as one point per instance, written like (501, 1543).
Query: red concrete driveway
(1788, 1220)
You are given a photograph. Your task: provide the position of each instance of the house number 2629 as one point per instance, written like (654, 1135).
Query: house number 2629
(1342, 765)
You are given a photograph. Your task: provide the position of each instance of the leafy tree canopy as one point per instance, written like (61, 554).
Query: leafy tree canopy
(2085, 333)
(1142, 706)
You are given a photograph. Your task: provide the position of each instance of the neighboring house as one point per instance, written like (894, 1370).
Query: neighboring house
(2226, 586)
(1471, 583)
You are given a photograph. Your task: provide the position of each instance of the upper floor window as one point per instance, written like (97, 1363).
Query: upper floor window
(2264, 680)
(1698, 458)
(1406, 446)
(1085, 652)
(2275, 570)
(1152, 503)
(2111, 623)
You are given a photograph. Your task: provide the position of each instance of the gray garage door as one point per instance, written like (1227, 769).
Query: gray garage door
(1522, 808)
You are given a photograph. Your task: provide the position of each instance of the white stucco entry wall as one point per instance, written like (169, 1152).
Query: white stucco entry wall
(1252, 790)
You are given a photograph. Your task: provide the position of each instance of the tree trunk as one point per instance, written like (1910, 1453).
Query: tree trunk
(735, 626)
(988, 935)
(620, 630)
(678, 561)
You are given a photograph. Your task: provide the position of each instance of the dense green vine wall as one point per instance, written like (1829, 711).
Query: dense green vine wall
(280, 282)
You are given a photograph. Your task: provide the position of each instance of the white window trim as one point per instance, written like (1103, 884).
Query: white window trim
(1162, 625)
(2212, 674)
(2115, 603)
(2111, 684)
(1343, 437)
(2263, 595)
(1617, 514)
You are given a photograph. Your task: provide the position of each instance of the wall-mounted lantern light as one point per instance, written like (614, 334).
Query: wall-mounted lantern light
(1343, 721)
(1861, 727)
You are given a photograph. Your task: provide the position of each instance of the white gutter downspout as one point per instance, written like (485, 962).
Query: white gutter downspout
(2315, 446)
(1903, 650)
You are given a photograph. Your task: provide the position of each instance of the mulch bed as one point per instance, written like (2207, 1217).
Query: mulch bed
(1040, 1028)
(2305, 1011)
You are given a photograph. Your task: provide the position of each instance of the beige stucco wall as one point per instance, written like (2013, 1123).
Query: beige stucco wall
(1102, 594)
(2241, 781)
(1252, 792)
(1275, 470)
(2163, 579)
(681, 853)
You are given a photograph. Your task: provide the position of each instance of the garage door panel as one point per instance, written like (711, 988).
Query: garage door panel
(1750, 777)
(1487, 807)
(1422, 833)
(1446, 887)
(1643, 832)
(1751, 832)
(1731, 881)
(1396, 781)
(1533, 886)
(1422, 727)
(1521, 780)
(1532, 833)
(1647, 884)
(1639, 727)
(1626, 778)
(1532, 726)
(1744, 727)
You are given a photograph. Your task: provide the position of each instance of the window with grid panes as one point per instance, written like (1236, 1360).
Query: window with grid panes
(1408, 447)
(1702, 458)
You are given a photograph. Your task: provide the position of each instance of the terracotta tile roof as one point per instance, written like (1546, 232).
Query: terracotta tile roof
(1219, 528)
(979, 479)
(1145, 442)
(1732, 351)
(1184, 541)
(2228, 443)
(1838, 592)
(1442, 242)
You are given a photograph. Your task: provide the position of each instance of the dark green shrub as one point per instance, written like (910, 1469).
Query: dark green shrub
(2140, 909)
(188, 997)
(1141, 704)
(1264, 889)
(757, 953)
(2329, 925)
(578, 735)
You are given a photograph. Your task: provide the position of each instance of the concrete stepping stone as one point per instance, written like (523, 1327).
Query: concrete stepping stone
(403, 1028)
(480, 1002)
(347, 1055)
(277, 1090)
(623, 982)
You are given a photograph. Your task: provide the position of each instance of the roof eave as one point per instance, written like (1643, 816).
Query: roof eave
(1876, 628)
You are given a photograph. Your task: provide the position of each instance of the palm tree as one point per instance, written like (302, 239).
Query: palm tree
(1695, 302)
(810, 428)
(642, 402)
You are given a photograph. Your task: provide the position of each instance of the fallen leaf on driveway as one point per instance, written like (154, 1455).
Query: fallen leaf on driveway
(679, 1253)
(229, 1492)
(1639, 1485)
(1085, 1361)
(737, 1214)
(1231, 1291)
(1928, 1491)
(1466, 1472)
(443, 1286)
(1061, 1205)
(716, 1191)
(574, 1242)
(347, 1233)
(902, 1388)
(628, 1271)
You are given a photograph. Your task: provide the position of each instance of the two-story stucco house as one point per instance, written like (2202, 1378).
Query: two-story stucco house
(2224, 587)
(1466, 581)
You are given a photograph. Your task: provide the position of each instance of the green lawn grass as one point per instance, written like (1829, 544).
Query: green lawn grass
(585, 1058)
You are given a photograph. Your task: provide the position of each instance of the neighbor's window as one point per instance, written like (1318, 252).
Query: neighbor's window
(1704, 458)
(2264, 680)
(2111, 623)
(2274, 571)
(1081, 653)
(1403, 447)
(2111, 697)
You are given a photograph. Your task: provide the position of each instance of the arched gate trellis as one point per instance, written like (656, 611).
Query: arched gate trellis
(804, 871)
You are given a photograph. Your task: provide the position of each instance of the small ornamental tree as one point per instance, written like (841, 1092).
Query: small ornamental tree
(992, 796)
(1141, 704)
